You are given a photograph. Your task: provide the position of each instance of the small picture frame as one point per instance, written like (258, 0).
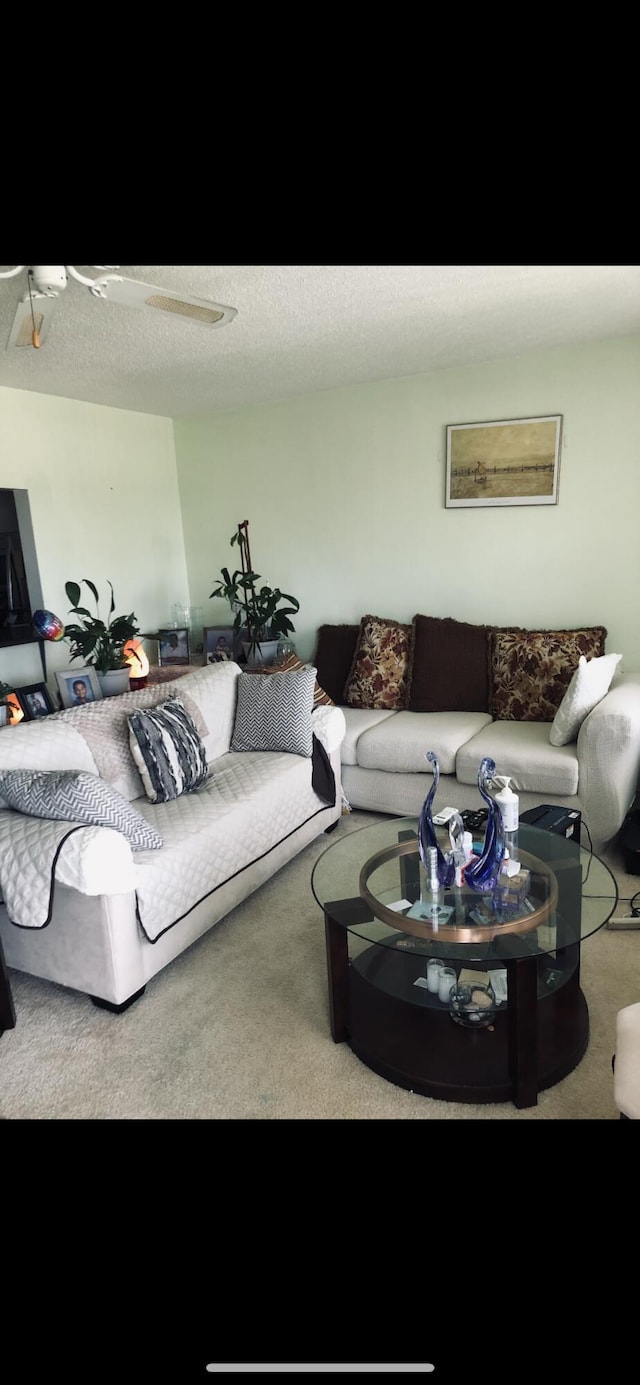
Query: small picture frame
(219, 644)
(173, 647)
(35, 700)
(79, 686)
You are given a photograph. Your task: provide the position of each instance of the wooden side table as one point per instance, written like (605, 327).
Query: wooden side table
(7, 1007)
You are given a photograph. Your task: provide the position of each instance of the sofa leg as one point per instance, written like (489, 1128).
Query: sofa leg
(117, 1009)
(331, 828)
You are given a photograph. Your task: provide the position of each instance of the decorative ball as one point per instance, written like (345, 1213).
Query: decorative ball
(48, 626)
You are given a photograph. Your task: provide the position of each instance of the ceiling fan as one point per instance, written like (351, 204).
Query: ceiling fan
(46, 282)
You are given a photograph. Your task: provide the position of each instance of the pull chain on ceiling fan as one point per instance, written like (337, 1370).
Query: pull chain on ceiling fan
(46, 282)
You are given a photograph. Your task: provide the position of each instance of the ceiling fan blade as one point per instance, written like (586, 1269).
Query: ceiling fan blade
(44, 307)
(137, 295)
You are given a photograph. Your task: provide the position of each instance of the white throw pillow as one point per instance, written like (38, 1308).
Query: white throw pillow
(590, 682)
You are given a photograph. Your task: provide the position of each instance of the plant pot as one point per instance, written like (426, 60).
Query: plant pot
(264, 653)
(115, 681)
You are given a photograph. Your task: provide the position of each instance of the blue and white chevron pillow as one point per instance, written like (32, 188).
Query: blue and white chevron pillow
(166, 746)
(68, 795)
(275, 713)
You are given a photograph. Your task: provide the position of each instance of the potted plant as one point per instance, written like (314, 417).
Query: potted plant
(263, 612)
(98, 642)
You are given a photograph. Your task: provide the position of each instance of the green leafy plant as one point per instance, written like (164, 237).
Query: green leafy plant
(95, 641)
(260, 610)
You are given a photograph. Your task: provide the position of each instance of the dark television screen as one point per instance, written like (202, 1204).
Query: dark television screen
(20, 590)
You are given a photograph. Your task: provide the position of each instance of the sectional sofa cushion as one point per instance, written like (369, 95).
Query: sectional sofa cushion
(521, 750)
(275, 713)
(589, 684)
(449, 666)
(76, 796)
(333, 658)
(357, 721)
(168, 751)
(378, 676)
(530, 670)
(400, 744)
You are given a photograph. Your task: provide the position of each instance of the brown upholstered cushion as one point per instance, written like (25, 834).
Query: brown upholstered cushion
(334, 658)
(289, 665)
(449, 666)
(378, 676)
(530, 670)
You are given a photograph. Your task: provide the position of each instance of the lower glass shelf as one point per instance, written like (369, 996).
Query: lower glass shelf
(401, 974)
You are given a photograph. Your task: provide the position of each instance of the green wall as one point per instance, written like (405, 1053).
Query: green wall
(104, 504)
(344, 491)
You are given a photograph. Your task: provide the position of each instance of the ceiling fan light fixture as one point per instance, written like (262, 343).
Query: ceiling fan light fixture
(47, 282)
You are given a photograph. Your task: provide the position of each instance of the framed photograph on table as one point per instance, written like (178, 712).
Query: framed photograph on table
(173, 647)
(219, 644)
(79, 686)
(515, 461)
(35, 701)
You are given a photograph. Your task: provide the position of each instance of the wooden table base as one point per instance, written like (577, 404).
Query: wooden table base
(413, 1042)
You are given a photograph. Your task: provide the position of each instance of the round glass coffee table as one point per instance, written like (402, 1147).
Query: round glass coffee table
(378, 948)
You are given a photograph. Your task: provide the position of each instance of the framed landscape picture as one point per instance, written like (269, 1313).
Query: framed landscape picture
(514, 461)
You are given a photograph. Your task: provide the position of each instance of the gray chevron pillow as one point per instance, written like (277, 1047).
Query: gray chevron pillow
(76, 796)
(275, 713)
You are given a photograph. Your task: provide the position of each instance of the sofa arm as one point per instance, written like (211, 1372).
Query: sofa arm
(37, 853)
(329, 725)
(609, 759)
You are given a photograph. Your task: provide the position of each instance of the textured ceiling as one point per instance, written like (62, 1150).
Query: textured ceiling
(301, 328)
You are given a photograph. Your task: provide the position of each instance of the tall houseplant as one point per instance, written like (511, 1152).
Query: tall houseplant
(263, 612)
(96, 641)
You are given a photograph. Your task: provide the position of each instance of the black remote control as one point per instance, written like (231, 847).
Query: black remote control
(474, 818)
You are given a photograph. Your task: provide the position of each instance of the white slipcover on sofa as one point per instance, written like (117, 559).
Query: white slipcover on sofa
(91, 913)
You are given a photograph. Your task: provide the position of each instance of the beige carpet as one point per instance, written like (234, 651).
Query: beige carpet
(237, 1029)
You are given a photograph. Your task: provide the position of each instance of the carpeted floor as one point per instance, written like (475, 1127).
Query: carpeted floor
(237, 1029)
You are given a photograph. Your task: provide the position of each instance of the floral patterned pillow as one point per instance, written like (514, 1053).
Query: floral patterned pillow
(380, 668)
(530, 670)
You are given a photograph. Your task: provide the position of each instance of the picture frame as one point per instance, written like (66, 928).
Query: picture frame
(87, 677)
(512, 461)
(35, 701)
(173, 647)
(218, 644)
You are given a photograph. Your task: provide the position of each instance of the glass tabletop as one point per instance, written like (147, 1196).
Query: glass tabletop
(572, 893)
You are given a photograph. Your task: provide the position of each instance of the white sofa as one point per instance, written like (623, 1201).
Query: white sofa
(384, 767)
(117, 915)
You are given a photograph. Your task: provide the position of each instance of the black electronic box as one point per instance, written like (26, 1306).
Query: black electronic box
(563, 822)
